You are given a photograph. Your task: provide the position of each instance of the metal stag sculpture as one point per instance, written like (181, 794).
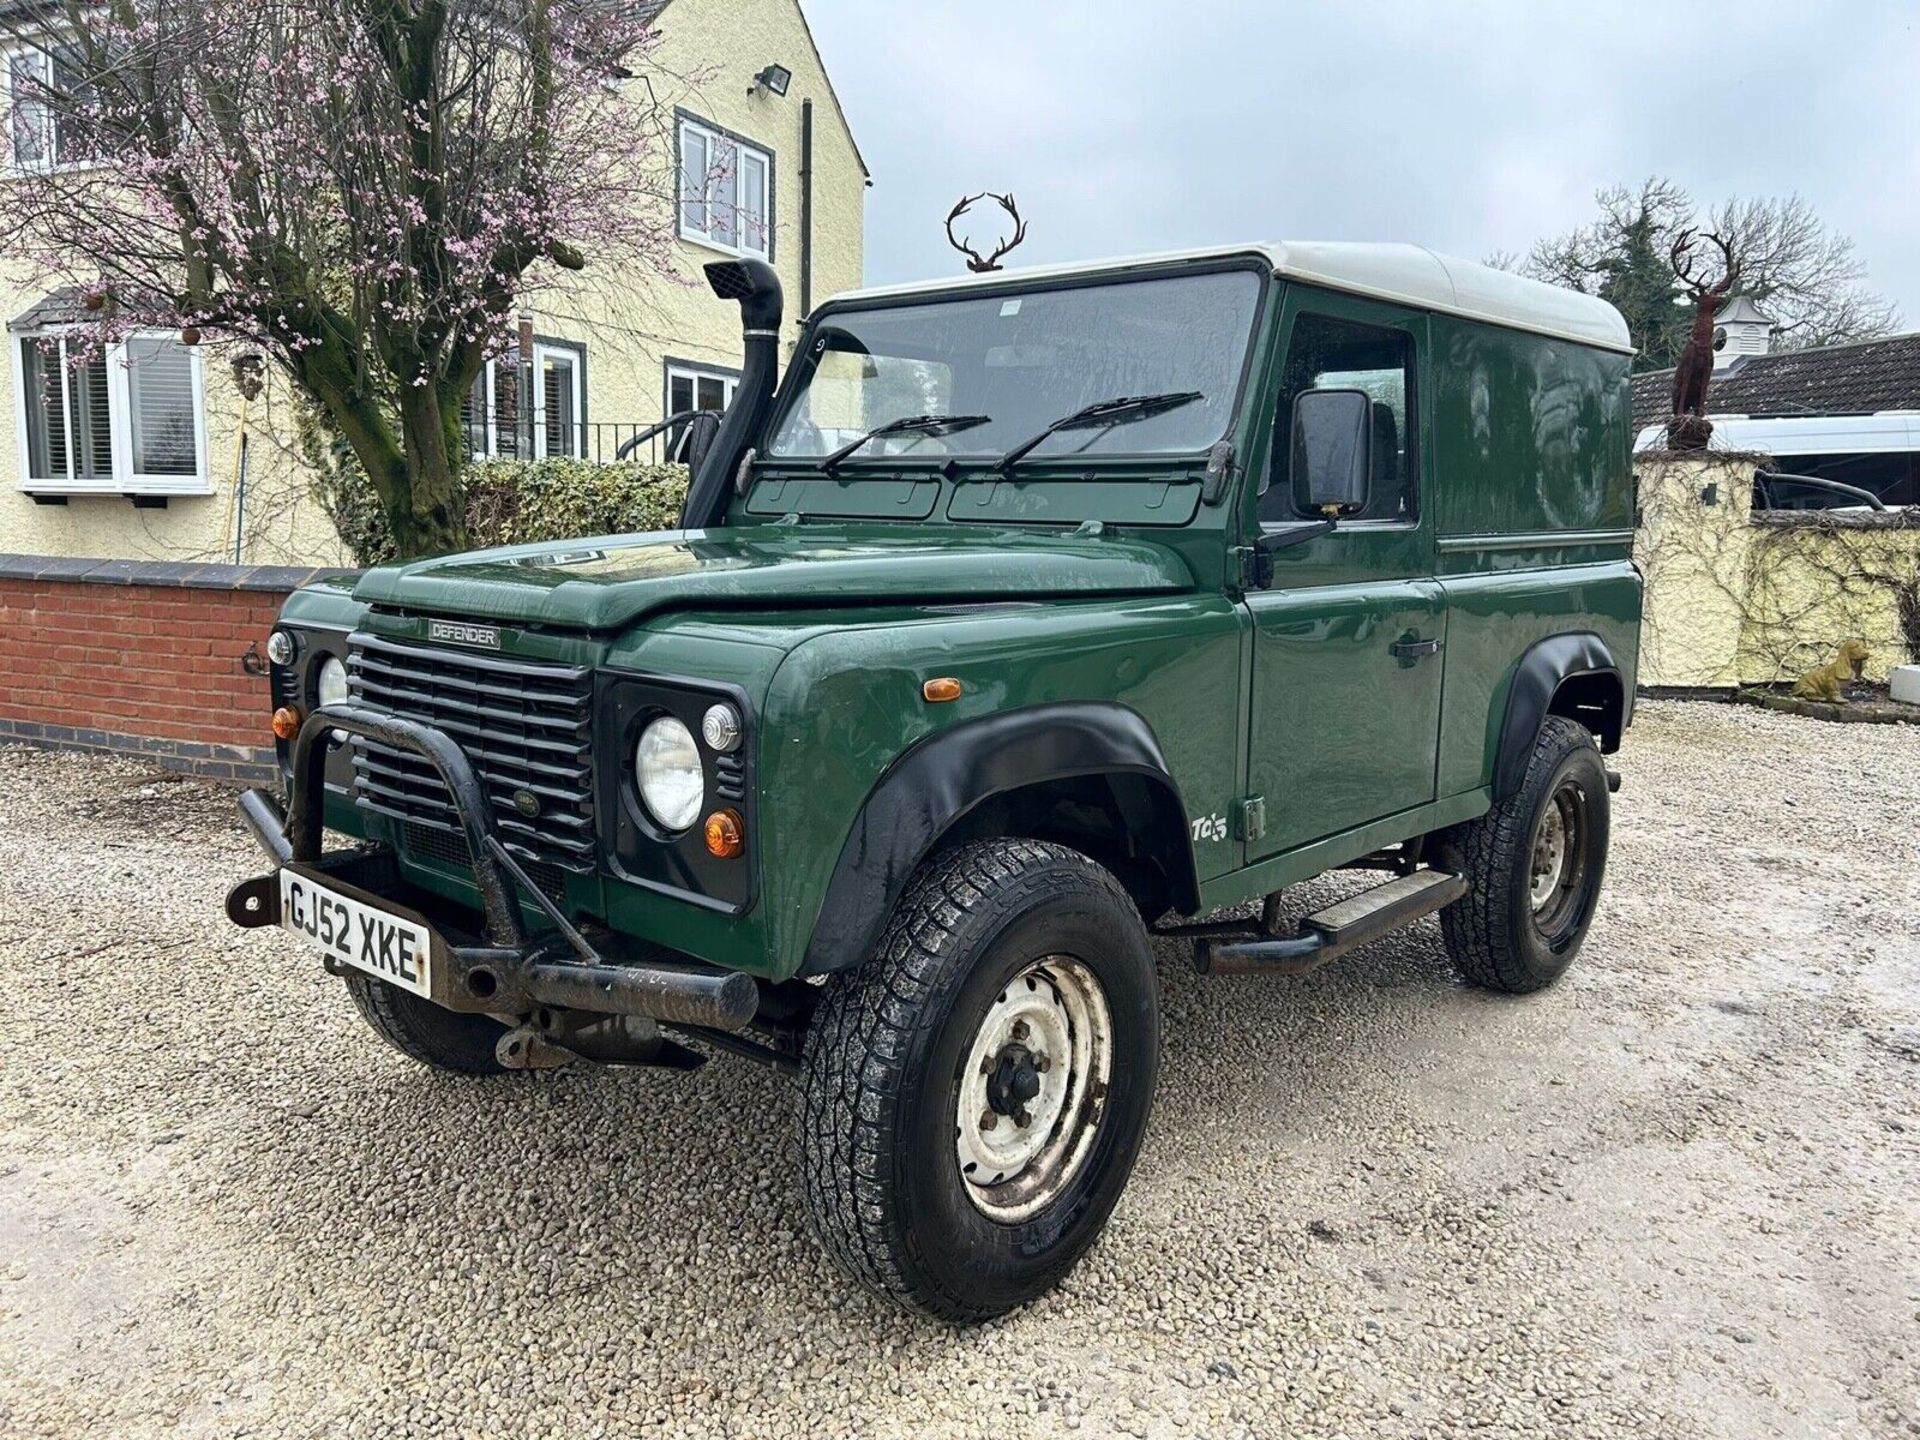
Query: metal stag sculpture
(964, 244)
(1689, 429)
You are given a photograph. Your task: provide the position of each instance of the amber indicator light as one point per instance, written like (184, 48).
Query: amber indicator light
(941, 690)
(726, 836)
(286, 722)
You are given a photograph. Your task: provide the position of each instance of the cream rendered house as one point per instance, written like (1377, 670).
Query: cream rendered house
(142, 455)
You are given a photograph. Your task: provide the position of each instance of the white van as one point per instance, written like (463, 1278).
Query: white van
(1878, 454)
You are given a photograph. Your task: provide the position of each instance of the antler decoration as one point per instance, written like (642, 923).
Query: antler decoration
(964, 245)
(1682, 254)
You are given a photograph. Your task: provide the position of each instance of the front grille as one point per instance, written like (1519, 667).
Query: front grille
(424, 842)
(523, 727)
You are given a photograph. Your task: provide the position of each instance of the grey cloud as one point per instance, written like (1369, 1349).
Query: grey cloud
(1131, 125)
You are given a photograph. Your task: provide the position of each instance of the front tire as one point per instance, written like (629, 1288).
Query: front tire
(974, 1093)
(1534, 863)
(421, 1030)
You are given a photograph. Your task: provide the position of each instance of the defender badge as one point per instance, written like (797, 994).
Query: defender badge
(462, 632)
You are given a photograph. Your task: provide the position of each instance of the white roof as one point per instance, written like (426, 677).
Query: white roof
(1410, 274)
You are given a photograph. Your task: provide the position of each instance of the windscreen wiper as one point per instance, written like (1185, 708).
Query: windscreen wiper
(1100, 414)
(907, 425)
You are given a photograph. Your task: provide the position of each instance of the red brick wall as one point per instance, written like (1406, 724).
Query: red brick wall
(149, 660)
(152, 666)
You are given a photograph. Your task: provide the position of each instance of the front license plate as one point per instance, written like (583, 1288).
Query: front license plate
(357, 934)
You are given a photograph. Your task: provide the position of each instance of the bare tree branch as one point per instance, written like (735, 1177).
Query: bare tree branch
(1808, 278)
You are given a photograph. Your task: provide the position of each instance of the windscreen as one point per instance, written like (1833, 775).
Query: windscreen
(1025, 360)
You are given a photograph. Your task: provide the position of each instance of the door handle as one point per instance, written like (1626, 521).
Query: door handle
(1408, 651)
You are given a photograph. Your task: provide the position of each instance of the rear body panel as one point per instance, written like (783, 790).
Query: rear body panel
(1535, 509)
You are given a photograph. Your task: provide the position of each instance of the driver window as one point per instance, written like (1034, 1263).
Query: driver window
(1332, 354)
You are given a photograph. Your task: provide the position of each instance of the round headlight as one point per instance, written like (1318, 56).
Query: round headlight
(720, 728)
(666, 765)
(331, 687)
(280, 647)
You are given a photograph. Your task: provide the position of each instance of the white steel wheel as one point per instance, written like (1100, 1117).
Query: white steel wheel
(1556, 881)
(1015, 979)
(1033, 1089)
(1549, 856)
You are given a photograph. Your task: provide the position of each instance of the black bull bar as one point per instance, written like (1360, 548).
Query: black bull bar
(510, 972)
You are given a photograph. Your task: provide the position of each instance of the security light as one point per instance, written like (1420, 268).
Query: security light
(774, 79)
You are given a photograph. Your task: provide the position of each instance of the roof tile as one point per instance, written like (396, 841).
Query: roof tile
(1854, 379)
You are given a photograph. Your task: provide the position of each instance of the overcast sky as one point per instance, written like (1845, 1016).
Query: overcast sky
(1134, 125)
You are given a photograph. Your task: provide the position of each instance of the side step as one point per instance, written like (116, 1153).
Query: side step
(1335, 930)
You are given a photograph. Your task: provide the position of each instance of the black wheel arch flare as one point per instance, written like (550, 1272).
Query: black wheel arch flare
(933, 787)
(1577, 664)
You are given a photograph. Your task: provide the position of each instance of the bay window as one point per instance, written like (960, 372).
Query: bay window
(125, 419)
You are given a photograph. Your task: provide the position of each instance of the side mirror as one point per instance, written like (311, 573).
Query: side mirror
(1333, 450)
(702, 428)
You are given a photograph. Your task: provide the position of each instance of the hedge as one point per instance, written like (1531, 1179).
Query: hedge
(515, 502)
(520, 502)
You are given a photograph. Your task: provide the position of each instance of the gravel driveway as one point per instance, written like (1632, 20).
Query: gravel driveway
(1678, 1195)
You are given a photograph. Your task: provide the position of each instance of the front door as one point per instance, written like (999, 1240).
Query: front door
(1348, 635)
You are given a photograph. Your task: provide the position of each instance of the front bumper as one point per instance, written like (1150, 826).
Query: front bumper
(503, 970)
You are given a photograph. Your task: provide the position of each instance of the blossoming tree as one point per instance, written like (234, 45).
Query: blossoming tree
(364, 190)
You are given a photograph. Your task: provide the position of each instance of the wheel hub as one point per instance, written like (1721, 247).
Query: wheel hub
(1032, 1088)
(1015, 1080)
(1549, 855)
(1561, 856)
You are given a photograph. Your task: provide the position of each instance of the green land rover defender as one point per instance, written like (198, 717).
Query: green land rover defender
(1029, 617)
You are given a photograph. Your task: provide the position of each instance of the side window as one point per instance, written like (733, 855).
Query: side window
(1326, 353)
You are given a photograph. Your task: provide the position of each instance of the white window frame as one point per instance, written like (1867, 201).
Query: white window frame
(122, 481)
(510, 364)
(694, 374)
(52, 164)
(485, 379)
(575, 356)
(722, 189)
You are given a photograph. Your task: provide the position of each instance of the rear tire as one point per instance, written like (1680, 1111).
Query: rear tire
(1535, 862)
(421, 1030)
(974, 1093)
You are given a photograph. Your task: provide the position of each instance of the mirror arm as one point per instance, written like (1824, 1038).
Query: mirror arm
(1274, 540)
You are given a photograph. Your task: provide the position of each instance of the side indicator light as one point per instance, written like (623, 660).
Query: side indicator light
(286, 722)
(939, 691)
(726, 835)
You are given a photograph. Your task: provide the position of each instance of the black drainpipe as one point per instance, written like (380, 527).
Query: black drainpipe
(806, 208)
